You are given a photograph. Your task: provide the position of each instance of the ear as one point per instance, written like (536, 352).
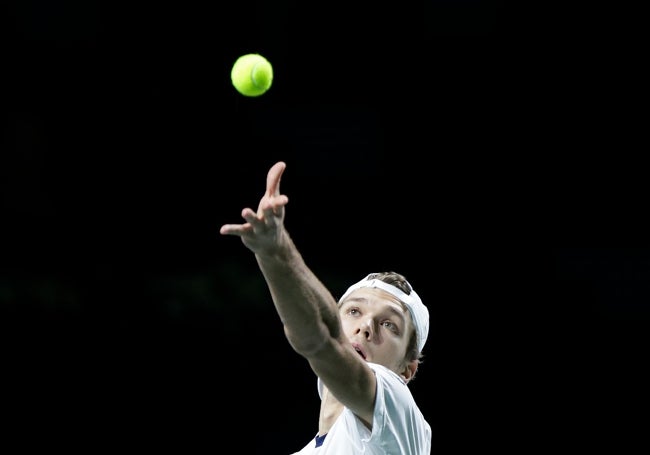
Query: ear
(409, 370)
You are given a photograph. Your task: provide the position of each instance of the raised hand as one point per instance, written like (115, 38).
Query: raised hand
(263, 230)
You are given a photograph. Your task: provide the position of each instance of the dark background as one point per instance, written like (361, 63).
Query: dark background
(416, 140)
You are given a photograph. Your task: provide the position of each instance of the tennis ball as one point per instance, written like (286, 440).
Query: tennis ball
(252, 75)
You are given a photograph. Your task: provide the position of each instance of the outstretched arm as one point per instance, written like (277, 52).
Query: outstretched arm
(306, 308)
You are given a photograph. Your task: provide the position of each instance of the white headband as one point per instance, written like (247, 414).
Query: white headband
(419, 312)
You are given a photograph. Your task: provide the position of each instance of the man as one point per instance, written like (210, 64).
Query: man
(364, 349)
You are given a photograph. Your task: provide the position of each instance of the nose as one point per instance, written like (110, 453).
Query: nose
(367, 328)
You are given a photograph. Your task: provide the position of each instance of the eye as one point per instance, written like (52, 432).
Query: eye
(353, 311)
(390, 326)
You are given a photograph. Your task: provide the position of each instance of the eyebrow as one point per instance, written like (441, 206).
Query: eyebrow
(391, 308)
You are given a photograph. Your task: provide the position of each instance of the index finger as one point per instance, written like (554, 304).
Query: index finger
(273, 178)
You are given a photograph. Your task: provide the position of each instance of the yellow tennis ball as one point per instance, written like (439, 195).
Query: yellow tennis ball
(252, 75)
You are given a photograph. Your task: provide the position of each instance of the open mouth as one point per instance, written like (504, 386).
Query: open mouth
(360, 353)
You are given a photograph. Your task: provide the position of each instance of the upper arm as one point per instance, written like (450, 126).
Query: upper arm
(347, 376)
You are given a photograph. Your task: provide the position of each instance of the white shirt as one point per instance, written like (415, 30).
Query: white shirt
(398, 426)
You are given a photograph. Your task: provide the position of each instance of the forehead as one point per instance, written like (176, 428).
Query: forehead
(377, 298)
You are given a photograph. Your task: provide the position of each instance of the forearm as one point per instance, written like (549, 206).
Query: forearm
(306, 308)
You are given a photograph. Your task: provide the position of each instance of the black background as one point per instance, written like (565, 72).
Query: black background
(415, 141)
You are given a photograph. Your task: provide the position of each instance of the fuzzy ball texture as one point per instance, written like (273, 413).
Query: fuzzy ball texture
(252, 75)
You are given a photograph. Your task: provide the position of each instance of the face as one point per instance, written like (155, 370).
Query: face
(378, 326)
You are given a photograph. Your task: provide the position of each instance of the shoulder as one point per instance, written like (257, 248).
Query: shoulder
(392, 390)
(398, 415)
(386, 374)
